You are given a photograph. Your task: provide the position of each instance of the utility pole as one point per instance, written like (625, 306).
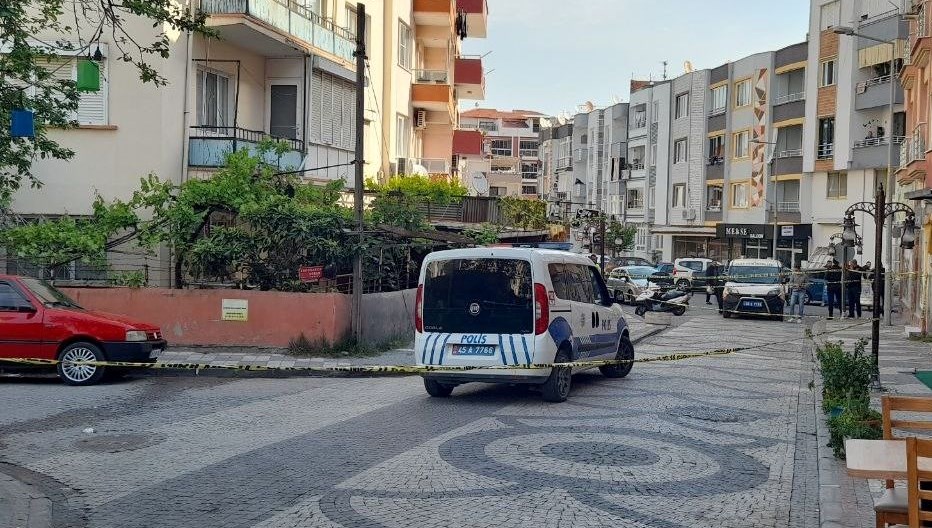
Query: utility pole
(360, 165)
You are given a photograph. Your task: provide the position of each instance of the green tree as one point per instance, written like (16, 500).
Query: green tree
(526, 213)
(620, 237)
(27, 73)
(403, 200)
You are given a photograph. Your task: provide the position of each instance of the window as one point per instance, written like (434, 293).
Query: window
(741, 141)
(529, 148)
(501, 147)
(92, 106)
(826, 138)
(565, 153)
(578, 283)
(354, 29)
(650, 197)
(830, 15)
(739, 195)
(653, 155)
(402, 136)
(10, 299)
(719, 98)
(679, 195)
(333, 111)
(837, 185)
(498, 191)
(640, 118)
(528, 189)
(827, 73)
(713, 197)
(488, 126)
(405, 46)
(213, 99)
(679, 151)
(529, 171)
(634, 199)
(743, 93)
(717, 149)
(655, 112)
(682, 105)
(502, 167)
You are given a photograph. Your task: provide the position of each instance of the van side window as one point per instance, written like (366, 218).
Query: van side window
(558, 278)
(600, 292)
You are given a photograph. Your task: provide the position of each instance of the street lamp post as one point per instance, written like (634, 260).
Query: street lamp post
(880, 210)
(888, 291)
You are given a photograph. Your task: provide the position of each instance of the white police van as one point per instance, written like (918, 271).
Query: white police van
(501, 307)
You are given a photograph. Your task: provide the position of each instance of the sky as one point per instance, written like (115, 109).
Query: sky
(553, 55)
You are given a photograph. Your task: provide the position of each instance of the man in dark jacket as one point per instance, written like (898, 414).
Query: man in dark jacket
(714, 283)
(833, 288)
(853, 288)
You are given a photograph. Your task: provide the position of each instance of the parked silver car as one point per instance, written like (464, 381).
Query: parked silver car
(627, 282)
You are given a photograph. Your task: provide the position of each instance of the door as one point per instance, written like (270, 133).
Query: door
(21, 328)
(284, 110)
(605, 330)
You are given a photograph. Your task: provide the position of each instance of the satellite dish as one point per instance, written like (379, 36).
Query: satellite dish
(419, 170)
(688, 66)
(480, 183)
(589, 106)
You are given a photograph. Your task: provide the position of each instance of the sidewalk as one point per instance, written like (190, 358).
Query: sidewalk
(846, 501)
(272, 358)
(23, 505)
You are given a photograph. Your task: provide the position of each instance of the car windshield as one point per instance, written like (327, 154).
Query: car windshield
(754, 274)
(50, 295)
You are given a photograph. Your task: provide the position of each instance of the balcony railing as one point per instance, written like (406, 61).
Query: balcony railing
(636, 166)
(715, 160)
(717, 111)
(876, 81)
(788, 207)
(292, 18)
(826, 151)
(639, 121)
(914, 148)
(529, 153)
(790, 153)
(714, 208)
(873, 142)
(789, 98)
(210, 145)
(432, 76)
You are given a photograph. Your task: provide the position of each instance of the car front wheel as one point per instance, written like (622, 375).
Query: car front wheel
(682, 284)
(77, 374)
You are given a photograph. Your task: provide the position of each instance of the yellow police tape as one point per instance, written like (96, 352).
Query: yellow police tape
(411, 369)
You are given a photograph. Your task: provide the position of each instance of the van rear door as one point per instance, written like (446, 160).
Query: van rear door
(478, 311)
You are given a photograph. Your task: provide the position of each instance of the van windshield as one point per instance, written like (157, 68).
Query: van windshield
(754, 274)
(489, 296)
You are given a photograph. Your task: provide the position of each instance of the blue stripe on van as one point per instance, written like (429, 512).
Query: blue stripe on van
(432, 348)
(514, 352)
(527, 355)
(443, 348)
(426, 345)
(501, 348)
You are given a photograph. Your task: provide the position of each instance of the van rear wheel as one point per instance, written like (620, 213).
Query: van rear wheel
(557, 387)
(437, 389)
(625, 353)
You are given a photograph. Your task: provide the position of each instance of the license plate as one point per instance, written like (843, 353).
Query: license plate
(753, 304)
(156, 352)
(473, 350)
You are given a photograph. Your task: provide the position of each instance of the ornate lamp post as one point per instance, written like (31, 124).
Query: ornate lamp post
(880, 210)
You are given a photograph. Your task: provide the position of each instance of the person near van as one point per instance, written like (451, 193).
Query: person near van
(883, 286)
(853, 288)
(799, 282)
(713, 277)
(833, 288)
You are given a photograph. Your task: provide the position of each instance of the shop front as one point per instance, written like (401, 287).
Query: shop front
(756, 241)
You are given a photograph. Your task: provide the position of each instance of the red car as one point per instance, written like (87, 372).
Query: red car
(38, 321)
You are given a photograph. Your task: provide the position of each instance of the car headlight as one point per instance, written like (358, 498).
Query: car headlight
(135, 335)
(775, 291)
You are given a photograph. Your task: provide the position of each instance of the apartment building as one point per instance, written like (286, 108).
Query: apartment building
(556, 167)
(913, 176)
(848, 131)
(285, 70)
(511, 146)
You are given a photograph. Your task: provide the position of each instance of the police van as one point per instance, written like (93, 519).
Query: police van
(754, 287)
(515, 307)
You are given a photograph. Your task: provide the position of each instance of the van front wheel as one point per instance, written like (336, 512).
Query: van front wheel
(437, 389)
(557, 387)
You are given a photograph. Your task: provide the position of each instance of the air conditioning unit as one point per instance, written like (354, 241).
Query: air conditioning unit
(420, 119)
(401, 166)
(689, 214)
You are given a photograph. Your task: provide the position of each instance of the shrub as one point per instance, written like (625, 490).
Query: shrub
(846, 378)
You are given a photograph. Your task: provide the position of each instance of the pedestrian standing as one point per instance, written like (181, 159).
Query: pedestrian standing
(853, 289)
(883, 287)
(711, 274)
(799, 282)
(833, 288)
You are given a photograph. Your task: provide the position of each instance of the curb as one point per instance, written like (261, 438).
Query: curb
(291, 374)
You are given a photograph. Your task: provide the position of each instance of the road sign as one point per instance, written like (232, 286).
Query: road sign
(310, 273)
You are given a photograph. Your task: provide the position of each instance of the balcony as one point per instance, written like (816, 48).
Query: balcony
(788, 161)
(432, 91)
(469, 78)
(275, 28)
(477, 17)
(717, 111)
(789, 106)
(825, 151)
(433, 13)
(715, 168)
(788, 207)
(431, 76)
(913, 156)
(467, 143)
(873, 153)
(875, 93)
(430, 165)
(209, 147)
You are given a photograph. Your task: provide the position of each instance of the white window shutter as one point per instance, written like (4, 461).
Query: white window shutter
(92, 108)
(317, 96)
(61, 69)
(326, 111)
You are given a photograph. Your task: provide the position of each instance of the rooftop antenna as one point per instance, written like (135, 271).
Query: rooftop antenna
(664, 70)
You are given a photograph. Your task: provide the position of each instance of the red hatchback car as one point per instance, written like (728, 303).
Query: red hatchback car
(38, 321)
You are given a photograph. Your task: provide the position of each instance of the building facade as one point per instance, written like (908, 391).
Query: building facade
(510, 154)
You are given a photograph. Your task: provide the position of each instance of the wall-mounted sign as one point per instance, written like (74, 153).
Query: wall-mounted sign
(234, 310)
(310, 273)
(786, 231)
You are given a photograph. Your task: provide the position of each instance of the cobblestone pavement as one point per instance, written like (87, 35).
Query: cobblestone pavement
(720, 441)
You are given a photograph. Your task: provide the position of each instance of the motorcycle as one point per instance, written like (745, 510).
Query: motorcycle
(654, 300)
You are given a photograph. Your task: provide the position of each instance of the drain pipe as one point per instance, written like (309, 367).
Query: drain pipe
(186, 119)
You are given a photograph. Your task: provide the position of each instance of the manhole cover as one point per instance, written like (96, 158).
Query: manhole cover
(116, 443)
(708, 414)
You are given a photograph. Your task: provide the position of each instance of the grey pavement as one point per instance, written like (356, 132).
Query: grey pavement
(272, 358)
(722, 441)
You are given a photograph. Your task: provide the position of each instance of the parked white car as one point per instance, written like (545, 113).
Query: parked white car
(689, 273)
